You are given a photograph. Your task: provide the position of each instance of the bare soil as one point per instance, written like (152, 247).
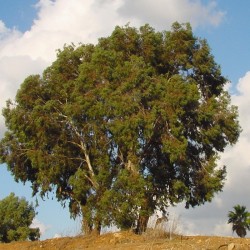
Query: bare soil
(130, 241)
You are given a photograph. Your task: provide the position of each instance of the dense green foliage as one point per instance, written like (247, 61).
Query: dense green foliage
(16, 216)
(125, 127)
(240, 219)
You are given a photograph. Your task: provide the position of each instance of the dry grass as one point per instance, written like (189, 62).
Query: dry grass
(154, 239)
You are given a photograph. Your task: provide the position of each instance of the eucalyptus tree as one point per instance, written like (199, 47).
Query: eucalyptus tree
(125, 127)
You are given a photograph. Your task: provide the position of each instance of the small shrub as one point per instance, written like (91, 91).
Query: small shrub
(16, 216)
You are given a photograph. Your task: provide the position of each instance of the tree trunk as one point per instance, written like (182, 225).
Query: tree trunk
(97, 229)
(87, 223)
(87, 227)
(142, 224)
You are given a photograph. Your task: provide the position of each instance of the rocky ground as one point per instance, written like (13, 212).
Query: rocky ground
(130, 241)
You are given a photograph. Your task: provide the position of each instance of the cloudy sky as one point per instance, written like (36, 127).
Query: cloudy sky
(31, 31)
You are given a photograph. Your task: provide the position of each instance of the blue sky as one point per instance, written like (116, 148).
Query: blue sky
(32, 30)
(231, 39)
(18, 13)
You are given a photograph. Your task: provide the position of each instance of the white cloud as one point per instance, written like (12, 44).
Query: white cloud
(7, 35)
(237, 157)
(165, 12)
(37, 224)
(222, 229)
(3, 28)
(243, 101)
(57, 236)
(64, 21)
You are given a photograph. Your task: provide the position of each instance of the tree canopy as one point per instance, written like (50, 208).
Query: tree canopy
(16, 216)
(240, 220)
(125, 127)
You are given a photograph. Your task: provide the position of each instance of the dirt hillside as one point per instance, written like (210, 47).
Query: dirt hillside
(130, 241)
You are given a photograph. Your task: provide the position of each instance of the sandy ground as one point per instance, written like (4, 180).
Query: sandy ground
(130, 241)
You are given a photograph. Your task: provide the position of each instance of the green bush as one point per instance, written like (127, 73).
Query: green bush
(16, 216)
